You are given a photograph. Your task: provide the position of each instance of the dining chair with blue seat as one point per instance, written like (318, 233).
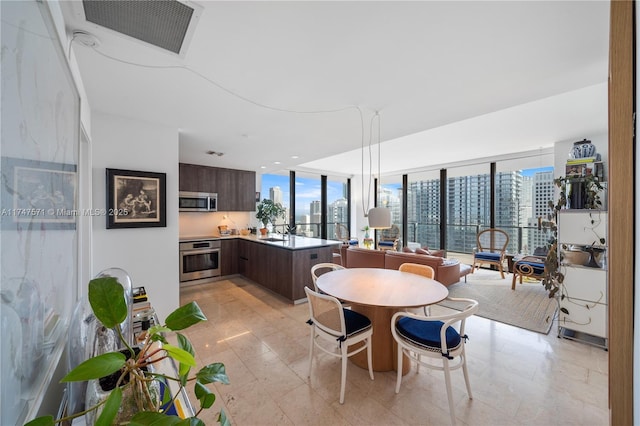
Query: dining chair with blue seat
(336, 329)
(491, 247)
(439, 338)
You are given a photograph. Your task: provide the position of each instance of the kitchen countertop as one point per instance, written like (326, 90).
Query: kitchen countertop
(290, 242)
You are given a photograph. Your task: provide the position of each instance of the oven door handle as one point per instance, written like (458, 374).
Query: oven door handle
(183, 253)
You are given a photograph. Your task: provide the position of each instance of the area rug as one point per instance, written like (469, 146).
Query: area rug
(528, 306)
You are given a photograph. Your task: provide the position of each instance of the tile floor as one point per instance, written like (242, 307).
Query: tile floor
(517, 377)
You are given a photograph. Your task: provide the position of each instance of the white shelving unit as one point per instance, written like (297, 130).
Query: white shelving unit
(583, 305)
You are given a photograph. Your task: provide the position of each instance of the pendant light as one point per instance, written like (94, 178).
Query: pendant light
(379, 217)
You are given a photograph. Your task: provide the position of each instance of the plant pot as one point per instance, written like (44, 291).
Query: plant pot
(263, 231)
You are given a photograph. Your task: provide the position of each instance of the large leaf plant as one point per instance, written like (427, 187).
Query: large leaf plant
(107, 299)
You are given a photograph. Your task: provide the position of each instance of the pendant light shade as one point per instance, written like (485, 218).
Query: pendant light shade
(379, 218)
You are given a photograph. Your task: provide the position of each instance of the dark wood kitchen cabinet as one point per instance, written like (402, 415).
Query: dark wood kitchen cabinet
(229, 257)
(283, 271)
(236, 189)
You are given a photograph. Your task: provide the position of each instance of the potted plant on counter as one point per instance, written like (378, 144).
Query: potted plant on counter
(136, 394)
(267, 212)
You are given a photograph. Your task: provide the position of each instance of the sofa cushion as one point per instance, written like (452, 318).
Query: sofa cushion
(422, 251)
(358, 257)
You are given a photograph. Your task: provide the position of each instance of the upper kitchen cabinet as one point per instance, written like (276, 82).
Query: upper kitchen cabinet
(235, 188)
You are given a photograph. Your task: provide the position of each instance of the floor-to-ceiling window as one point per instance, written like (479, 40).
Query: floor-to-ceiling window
(468, 202)
(308, 204)
(423, 209)
(390, 196)
(337, 206)
(523, 190)
(276, 187)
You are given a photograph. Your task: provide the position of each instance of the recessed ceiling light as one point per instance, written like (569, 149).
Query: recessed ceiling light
(263, 167)
(294, 157)
(276, 162)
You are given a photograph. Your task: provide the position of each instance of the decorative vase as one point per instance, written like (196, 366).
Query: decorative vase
(583, 149)
(100, 389)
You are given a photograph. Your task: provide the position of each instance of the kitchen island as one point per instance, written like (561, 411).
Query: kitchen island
(280, 263)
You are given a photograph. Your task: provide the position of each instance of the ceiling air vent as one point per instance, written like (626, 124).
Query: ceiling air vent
(162, 23)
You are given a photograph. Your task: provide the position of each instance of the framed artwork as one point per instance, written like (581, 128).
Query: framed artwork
(42, 195)
(136, 199)
(575, 170)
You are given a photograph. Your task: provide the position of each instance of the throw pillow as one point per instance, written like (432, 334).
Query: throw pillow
(407, 250)
(422, 251)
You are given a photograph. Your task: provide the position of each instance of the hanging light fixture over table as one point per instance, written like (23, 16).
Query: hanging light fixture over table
(379, 217)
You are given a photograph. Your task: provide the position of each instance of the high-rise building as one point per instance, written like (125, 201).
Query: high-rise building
(337, 212)
(315, 216)
(275, 194)
(543, 192)
(423, 215)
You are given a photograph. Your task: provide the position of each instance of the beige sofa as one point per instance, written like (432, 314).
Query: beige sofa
(447, 271)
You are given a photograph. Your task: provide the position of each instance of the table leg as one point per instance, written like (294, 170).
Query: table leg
(383, 346)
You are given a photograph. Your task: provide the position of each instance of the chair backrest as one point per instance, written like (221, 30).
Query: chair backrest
(318, 267)
(418, 269)
(326, 313)
(471, 307)
(493, 240)
(390, 234)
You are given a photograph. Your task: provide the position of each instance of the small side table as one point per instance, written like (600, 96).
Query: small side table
(510, 261)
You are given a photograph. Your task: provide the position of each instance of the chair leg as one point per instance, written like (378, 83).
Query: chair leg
(343, 378)
(399, 375)
(311, 343)
(370, 357)
(513, 281)
(501, 271)
(465, 371)
(447, 379)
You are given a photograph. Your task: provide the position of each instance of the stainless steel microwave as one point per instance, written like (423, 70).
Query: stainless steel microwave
(197, 202)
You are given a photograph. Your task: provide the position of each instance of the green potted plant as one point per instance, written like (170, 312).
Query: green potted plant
(553, 276)
(135, 375)
(269, 211)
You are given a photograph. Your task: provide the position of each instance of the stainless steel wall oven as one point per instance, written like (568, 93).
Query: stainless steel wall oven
(199, 259)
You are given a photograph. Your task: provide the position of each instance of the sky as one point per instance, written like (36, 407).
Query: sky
(307, 190)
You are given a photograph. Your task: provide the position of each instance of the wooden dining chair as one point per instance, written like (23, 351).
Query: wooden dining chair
(440, 339)
(316, 271)
(332, 323)
(418, 269)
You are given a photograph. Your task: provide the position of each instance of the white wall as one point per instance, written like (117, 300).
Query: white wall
(149, 255)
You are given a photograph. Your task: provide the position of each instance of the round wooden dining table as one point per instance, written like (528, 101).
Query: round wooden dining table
(378, 294)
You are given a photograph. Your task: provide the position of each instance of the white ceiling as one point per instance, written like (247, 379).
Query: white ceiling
(452, 80)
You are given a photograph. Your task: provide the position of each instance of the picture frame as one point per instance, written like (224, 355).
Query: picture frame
(43, 194)
(136, 199)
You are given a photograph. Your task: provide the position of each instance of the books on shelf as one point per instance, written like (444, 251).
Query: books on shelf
(139, 294)
(582, 160)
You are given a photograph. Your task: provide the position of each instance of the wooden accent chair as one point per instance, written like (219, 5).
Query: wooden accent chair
(491, 247)
(528, 266)
(389, 238)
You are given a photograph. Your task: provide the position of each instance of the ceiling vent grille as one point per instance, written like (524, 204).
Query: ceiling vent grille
(162, 23)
